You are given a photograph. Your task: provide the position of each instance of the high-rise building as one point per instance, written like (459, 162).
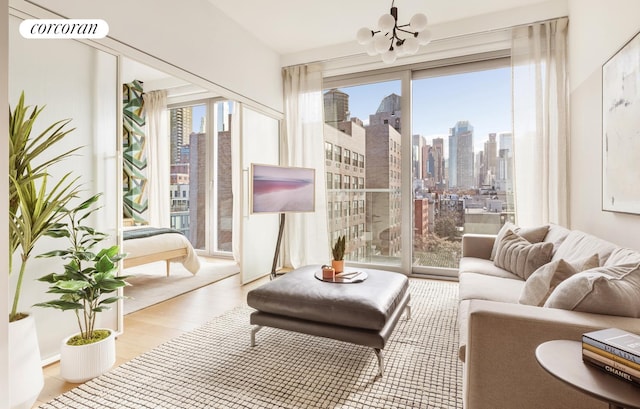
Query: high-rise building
(490, 160)
(198, 182)
(438, 162)
(418, 158)
(345, 178)
(504, 172)
(181, 123)
(224, 187)
(453, 159)
(383, 170)
(461, 158)
(388, 112)
(481, 168)
(427, 163)
(336, 107)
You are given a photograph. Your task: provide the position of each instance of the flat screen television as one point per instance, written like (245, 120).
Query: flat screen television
(282, 189)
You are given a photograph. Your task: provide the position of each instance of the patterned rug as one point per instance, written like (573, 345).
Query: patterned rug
(214, 366)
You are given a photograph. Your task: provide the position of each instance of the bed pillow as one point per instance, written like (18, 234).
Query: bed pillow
(611, 290)
(545, 279)
(520, 257)
(531, 234)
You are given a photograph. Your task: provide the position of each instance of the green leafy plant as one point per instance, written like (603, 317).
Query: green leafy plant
(339, 248)
(35, 207)
(87, 276)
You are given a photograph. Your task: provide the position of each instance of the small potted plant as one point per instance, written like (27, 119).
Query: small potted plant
(338, 254)
(87, 277)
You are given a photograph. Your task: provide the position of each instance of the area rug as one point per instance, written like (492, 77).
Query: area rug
(150, 284)
(215, 366)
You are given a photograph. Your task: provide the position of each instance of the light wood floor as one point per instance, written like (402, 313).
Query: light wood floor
(150, 327)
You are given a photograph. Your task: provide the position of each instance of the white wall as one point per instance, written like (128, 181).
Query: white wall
(192, 35)
(4, 189)
(597, 29)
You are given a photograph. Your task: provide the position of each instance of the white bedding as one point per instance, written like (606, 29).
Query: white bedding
(161, 243)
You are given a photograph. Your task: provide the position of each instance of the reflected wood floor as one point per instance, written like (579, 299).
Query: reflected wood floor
(150, 327)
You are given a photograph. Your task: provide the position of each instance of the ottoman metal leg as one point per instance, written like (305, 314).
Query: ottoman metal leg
(378, 352)
(254, 330)
(408, 309)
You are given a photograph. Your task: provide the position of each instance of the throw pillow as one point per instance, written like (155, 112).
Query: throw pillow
(611, 290)
(520, 257)
(546, 278)
(532, 234)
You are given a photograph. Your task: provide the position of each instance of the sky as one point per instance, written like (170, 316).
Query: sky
(197, 112)
(481, 97)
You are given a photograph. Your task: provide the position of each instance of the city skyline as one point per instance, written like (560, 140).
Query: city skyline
(481, 97)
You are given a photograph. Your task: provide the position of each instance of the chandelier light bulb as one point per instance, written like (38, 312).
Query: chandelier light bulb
(371, 48)
(381, 44)
(386, 23)
(411, 45)
(424, 37)
(389, 56)
(364, 36)
(392, 39)
(418, 22)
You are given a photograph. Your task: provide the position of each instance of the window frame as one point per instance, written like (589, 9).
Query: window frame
(406, 74)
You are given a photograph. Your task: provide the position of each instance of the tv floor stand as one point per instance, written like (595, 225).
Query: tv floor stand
(274, 274)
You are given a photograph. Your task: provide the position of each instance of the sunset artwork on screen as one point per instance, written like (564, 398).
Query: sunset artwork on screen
(281, 189)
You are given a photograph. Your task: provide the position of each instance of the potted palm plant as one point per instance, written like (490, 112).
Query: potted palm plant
(36, 207)
(338, 254)
(87, 278)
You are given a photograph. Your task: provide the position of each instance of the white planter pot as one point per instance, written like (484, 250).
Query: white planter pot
(80, 363)
(25, 368)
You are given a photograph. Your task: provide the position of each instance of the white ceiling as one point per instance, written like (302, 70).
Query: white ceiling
(291, 26)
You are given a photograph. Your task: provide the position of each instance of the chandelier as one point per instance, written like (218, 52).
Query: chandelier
(393, 40)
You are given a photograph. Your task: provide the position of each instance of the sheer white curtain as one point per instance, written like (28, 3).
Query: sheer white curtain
(541, 126)
(157, 137)
(306, 239)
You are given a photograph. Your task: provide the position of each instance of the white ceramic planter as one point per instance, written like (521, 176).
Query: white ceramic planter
(80, 363)
(25, 369)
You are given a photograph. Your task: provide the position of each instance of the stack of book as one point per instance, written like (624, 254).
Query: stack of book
(615, 351)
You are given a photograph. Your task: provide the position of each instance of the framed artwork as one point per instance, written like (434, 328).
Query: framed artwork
(282, 189)
(621, 130)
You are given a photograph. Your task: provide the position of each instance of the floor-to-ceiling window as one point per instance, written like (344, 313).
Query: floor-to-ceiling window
(362, 160)
(458, 128)
(200, 193)
(462, 155)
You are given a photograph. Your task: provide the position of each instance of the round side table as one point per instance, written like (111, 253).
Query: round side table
(563, 360)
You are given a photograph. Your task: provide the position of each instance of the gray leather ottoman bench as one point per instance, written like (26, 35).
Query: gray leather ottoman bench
(363, 313)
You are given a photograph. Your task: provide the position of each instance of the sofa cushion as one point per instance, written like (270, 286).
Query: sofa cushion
(612, 290)
(556, 235)
(545, 279)
(531, 234)
(579, 244)
(519, 256)
(483, 266)
(477, 286)
(622, 256)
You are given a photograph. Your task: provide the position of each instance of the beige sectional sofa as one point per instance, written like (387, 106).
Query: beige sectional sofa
(499, 335)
